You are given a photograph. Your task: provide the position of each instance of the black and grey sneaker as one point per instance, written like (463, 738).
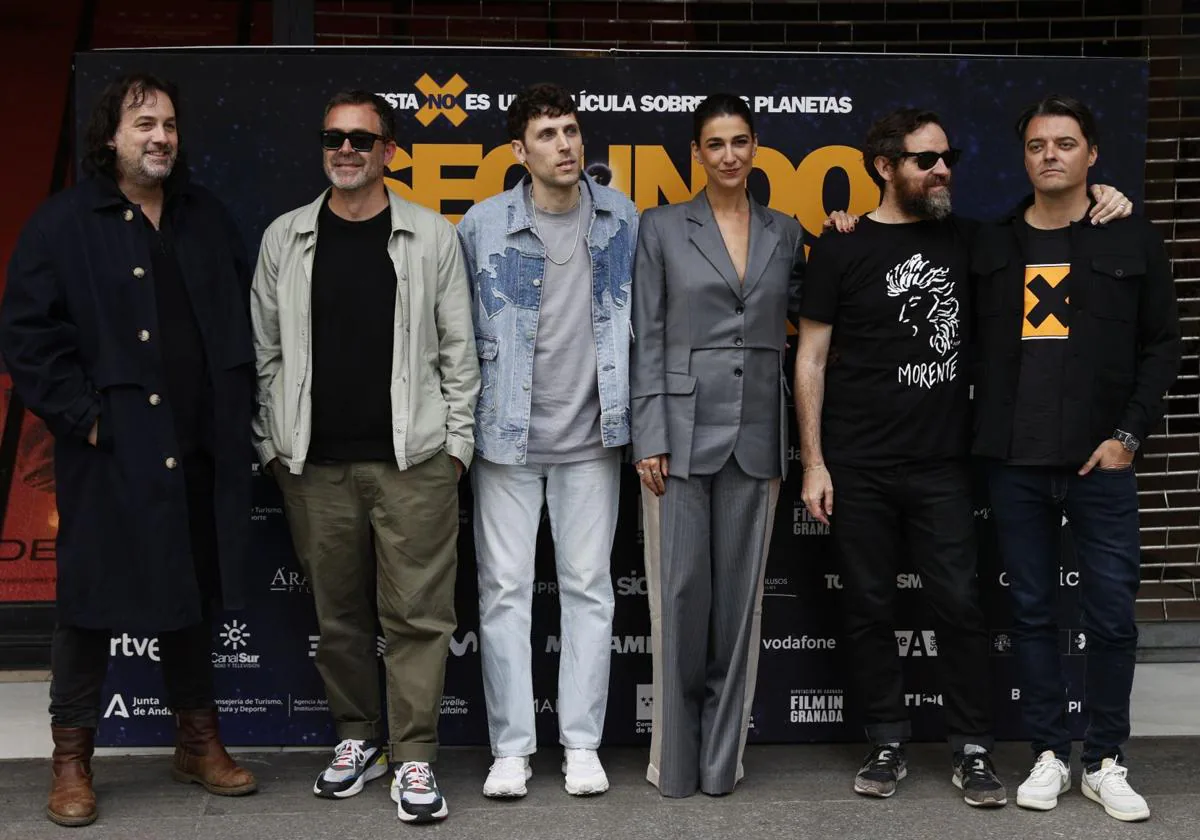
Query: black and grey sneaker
(416, 794)
(884, 767)
(354, 764)
(975, 776)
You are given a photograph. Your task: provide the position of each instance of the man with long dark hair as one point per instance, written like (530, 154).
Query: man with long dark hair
(125, 327)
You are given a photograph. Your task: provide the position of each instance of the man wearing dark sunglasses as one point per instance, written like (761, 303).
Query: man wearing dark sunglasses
(1078, 329)
(882, 402)
(367, 379)
(881, 397)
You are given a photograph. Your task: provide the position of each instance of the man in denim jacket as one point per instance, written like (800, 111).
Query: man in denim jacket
(550, 266)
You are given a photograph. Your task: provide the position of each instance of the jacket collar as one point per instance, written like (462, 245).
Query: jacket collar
(518, 212)
(101, 192)
(1017, 213)
(705, 234)
(400, 210)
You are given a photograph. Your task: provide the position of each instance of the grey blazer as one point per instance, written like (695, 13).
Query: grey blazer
(706, 367)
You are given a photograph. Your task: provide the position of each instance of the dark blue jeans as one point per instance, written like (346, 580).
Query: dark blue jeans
(1102, 507)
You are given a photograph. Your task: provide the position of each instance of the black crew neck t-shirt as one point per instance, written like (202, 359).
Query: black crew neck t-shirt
(1045, 328)
(353, 314)
(896, 380)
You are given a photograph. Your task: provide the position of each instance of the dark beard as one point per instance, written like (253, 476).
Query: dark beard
(916, 201)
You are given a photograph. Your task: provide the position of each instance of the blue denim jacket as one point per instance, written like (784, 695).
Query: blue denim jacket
(506, 262)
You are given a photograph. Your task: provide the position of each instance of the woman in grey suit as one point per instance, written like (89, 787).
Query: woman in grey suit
(714, 279)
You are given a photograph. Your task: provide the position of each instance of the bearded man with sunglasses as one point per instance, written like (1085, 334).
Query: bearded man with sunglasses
(882, 403)
(367, 381)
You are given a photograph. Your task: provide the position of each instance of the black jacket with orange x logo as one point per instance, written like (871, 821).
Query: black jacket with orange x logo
(1123, 348)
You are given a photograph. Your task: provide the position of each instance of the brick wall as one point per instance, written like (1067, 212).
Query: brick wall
(1166, 32)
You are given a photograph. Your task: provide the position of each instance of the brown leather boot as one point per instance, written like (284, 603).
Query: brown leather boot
(72, 800)
(200, 756)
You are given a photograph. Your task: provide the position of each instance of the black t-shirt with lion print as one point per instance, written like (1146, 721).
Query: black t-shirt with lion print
(896, 382)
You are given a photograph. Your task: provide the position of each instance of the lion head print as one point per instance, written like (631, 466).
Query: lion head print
(927, 302)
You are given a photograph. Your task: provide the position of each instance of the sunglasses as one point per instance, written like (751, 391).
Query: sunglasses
(928, 160)
(360, 141)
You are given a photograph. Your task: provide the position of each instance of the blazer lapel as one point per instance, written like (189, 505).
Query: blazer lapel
(763, 240)
(706, 235)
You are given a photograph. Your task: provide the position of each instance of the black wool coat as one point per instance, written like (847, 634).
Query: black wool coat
(80, 335)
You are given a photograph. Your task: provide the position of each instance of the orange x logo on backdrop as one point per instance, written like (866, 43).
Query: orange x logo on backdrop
(441, 100)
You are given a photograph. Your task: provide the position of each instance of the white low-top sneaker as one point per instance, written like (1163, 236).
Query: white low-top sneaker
(1048, 778)
(507, 777)
(585, 775)
(1109, 787)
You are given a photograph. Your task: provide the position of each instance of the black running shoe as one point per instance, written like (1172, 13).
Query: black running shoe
(975, 776)
(354, 764)
(884, 767)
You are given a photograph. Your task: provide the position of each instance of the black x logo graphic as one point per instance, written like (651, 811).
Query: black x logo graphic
(1052, 300)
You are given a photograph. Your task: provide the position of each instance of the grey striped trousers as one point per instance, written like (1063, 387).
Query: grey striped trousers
(706, 542)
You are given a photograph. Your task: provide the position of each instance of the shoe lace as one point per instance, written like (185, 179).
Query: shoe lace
(1114, 775)
(979, 766)
(1044, 770)
(884, 758)
(349, 753)
(416, 775)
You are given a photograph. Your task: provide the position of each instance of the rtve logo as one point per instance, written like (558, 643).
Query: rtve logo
(441, 100)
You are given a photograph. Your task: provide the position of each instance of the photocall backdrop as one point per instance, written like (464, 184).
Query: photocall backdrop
(250, 123)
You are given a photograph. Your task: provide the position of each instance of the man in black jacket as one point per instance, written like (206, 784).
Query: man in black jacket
(1078, 338)
(126, 328)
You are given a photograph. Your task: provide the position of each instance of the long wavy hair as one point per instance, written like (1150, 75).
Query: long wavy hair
(101, 159)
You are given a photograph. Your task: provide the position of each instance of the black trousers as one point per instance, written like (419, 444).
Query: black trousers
(926, 506)
(79, 655)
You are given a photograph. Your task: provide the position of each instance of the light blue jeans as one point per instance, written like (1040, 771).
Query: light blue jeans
(582, 501)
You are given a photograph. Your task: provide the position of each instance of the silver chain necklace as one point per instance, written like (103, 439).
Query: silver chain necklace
(578, 226)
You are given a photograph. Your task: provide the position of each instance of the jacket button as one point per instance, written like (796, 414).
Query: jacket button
(171, 463)
(737, 371)
(739, 310)
(537, 282)
(1120, 272)
(128, 215)
(155, 399)
(737, 342)
(143, 335)
(139, 272)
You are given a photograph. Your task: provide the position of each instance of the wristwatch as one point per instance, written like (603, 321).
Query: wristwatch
(1127, 440)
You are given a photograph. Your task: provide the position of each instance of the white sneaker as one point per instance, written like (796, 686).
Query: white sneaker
(585, 775)
(1048, 778)
(1109, 787)
(507, 777)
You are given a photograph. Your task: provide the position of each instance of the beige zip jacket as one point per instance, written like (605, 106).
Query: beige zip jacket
(435, 369)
